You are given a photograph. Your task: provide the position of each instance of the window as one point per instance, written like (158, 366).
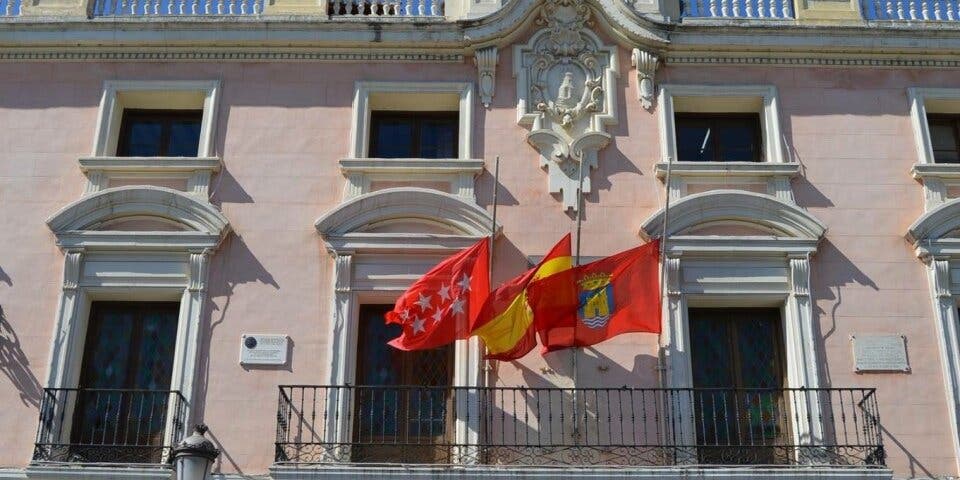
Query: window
(394, 399)
(737, 362)
(433, 103)
(703, 137)
(945, 137)
(743, 121)
(413, 134)
(159, 133)
(157, 118)
(124, 391)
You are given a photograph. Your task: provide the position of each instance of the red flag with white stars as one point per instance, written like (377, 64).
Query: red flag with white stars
(439, 307)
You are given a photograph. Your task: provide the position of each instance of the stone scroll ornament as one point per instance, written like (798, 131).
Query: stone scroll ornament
(566, 82)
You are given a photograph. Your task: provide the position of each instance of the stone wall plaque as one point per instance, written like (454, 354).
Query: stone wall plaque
(880, 353)
(260, 349)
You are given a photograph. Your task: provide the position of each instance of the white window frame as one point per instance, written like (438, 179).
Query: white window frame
(769, 115)
(788, 253)
(133, 266)
(110, 114)
(103, 165)
(773, 173)
(918, 117)
(936, 178)
(360, 125)
(342, 231)
(934, 244)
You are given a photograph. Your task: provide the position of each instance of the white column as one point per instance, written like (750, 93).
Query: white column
(679, 427)
(343, 338)
(945, 309)
(801, 355)
(188, 332)
(69, 325)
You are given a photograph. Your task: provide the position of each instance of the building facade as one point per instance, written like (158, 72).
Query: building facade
(206, 208)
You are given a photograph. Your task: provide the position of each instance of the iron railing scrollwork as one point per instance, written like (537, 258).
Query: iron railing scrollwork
(95, 425)
(578, 426)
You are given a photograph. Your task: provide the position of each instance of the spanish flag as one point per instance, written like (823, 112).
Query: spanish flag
(505, 322)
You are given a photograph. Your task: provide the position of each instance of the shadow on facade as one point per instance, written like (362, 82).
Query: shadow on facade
(233, 264)
(14, 364)
(226, 189)
(830, 288)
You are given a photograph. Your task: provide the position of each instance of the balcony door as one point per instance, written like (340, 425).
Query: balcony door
(737, 359)
(123, 395)
(403, 404)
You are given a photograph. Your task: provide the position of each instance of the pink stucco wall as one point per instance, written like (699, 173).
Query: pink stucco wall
(283, 127)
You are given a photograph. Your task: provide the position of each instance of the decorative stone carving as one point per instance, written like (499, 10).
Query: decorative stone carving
(566, 87)
(71, 269)
(941, 270)
(486, 60)
(672, 264)
(646, 65)
(199, 260)
(800, 275)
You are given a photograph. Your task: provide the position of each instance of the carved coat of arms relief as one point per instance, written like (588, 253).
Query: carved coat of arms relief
(566, 80)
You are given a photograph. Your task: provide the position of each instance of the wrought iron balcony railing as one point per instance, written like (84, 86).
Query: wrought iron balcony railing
(578, 426)
(108, 426)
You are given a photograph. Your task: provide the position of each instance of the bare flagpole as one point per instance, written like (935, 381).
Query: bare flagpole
(663, 259)
(575, 375)
(488, 366)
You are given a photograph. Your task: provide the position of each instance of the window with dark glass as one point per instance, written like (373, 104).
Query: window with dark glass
(123, 394)
(159, 133)
(414, 134)
(707, 137)
(945, 137)
(401, 398)
(737, 361)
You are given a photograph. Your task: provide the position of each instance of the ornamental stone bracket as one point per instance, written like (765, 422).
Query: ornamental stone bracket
(566, 89)
(646, 65)
(486, 60)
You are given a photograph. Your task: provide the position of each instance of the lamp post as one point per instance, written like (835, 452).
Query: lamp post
(193, 456)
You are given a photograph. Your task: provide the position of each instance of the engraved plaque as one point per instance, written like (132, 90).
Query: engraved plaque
(258, 349)
(880, 353)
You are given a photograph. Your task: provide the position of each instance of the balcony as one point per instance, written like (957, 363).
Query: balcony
(911, 10)
(585, 427)
(140, 8)
(108, 426)
(738, 9)
(10, 8)
(392, 9)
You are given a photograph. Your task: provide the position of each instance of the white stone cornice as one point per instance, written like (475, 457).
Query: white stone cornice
(346, 227)
(351, 166)
(727, 169)
(149, 164)
(782, 219)
(165, 203)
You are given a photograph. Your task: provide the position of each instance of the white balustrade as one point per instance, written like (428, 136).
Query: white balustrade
(116, 8)
(385, 8)
(10, 8)
(747, 9)
(911, 10)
